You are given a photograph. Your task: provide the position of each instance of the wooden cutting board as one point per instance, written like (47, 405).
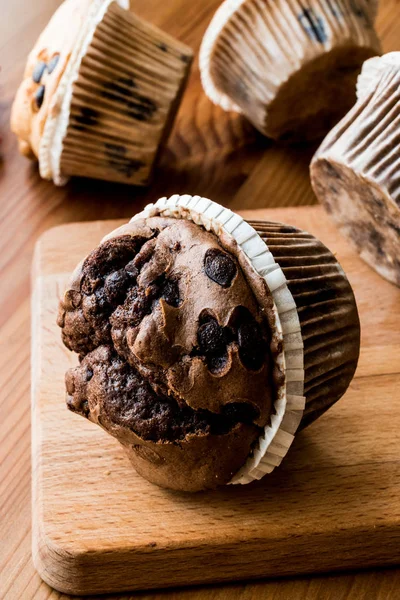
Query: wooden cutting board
(333, 504)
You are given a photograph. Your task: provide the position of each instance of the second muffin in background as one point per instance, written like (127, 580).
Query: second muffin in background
(100, 92)
(289, 68)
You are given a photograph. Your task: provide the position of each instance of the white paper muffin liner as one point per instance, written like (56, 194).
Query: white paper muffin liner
(289, 405)
(253, 47)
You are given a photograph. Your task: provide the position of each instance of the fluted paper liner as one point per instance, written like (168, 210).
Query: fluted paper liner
(289, 67)
(355, 172)
(123, 100)
(306, 309)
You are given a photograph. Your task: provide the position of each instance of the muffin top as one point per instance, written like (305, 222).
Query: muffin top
(36, 99)
(168, 309)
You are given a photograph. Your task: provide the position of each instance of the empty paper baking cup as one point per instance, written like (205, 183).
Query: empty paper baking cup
(356, 171)
(289, 67)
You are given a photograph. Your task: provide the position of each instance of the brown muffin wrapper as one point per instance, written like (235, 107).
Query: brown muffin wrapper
(125, 100)
(327, 312)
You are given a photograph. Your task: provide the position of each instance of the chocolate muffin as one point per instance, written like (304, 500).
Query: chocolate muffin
(191, 345)
(99, 95)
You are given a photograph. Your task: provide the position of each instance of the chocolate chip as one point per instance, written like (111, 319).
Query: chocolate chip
(251, 345)
(38, 71)
(115, 286)
(211, 338)
(39, 96)
(53, 63)
(170, 293)
(241, 412)
(163, 47)
(217, 363)
(219, 267)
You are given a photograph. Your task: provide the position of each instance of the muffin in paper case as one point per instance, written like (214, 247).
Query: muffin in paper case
(99, 97)
(290, 67)
(189, 414)
(355, 172)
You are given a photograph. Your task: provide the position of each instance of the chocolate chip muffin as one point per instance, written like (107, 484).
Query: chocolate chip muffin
(355, 172)
(94, 91)
(191, 354)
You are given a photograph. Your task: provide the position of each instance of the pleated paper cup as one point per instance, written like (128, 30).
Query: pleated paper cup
(289, 67)
(356, 171)
(315, 329)
(125, 100)
(326, 309)
(117, 99)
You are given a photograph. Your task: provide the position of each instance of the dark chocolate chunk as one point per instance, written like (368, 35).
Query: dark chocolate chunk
(170, 293)
(211, 338)
(163, 47)
(38, 71)
(313, 25)
(241, 411)
(115, 286)
(251, 345)
(39, 96)
(217, 363)
(53, 63)
(219, 267)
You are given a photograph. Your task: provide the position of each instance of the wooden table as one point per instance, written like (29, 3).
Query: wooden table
(209, 153)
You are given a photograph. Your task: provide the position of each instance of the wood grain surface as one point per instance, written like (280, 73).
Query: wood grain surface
(210, 153)
(333, 504)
